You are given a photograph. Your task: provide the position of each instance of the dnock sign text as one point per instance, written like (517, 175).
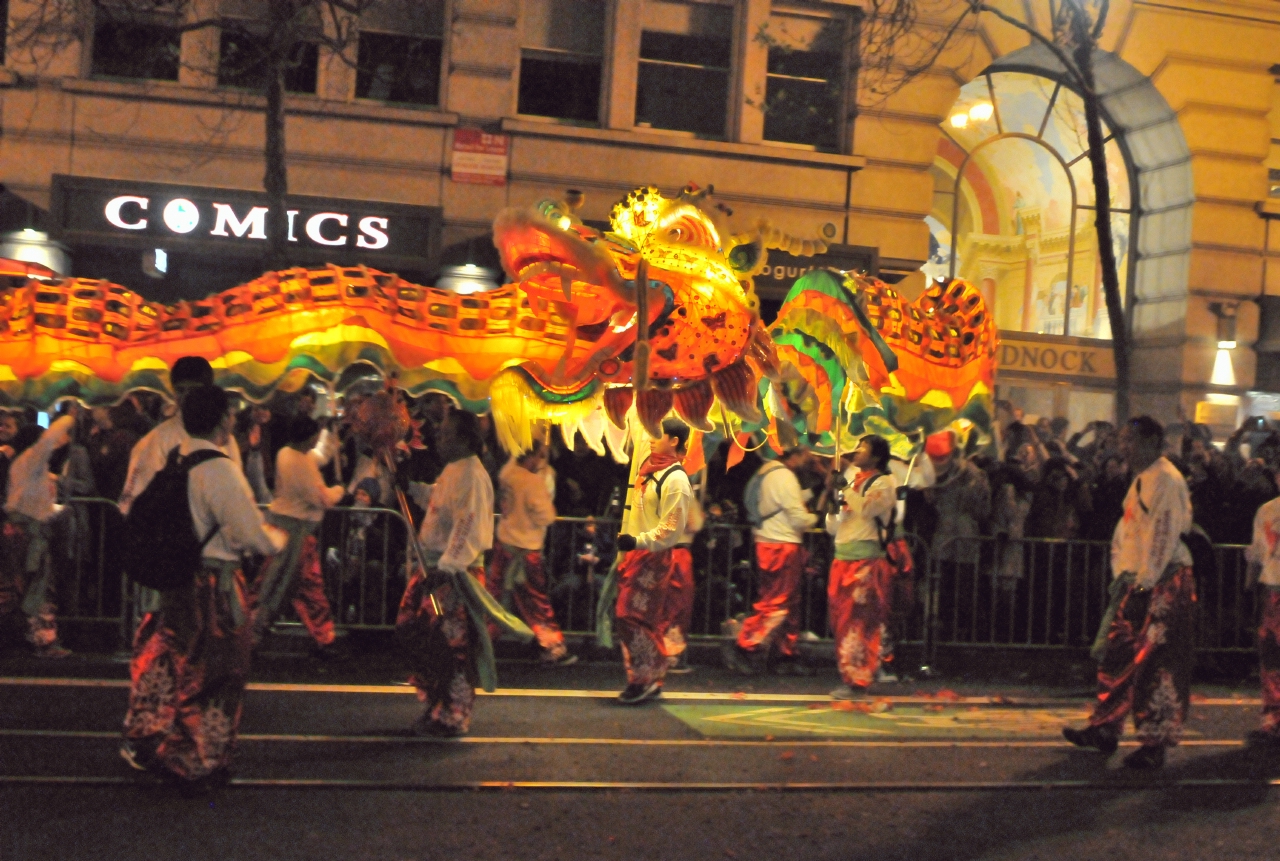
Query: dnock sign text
(1026, 355)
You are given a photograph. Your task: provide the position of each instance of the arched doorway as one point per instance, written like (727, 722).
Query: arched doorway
(1013, 212)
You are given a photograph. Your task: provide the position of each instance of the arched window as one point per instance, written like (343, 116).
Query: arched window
(1013, 206)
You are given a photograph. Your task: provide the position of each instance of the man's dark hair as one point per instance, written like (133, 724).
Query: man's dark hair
(677, 429)
(793, 452)
(535, 448)
(302, 428)
(1148, 429)
(191, 369)
(203, 409)
(466, 426)
(879, 450)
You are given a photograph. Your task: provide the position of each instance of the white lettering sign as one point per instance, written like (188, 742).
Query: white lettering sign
(114, 205)
(182, 216)
(373, 232)
(315, 222)
(255, 223)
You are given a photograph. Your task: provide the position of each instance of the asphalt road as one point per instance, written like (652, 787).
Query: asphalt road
(722, 768)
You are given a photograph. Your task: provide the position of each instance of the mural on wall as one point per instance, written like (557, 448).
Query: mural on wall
(1013, 205)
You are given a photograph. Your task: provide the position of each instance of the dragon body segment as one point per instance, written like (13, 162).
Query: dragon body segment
(561, 342)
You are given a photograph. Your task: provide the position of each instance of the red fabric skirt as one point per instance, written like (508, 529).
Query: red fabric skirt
(644, 581)
(858, 600)
(438, 640)
(775, 618)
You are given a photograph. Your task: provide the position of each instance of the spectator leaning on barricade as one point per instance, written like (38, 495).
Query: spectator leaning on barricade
(1145, 646)
(297, 507)
(30, 506)
(517, 572)
(191, 655)
(960, 499)
(776, 507)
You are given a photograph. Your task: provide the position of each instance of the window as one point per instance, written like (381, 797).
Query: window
(242, 63)
(804, 95)
(399, 68)
(145, 51)
(1274, 184)
(685, 58)
(1014, 205)
(561, 58)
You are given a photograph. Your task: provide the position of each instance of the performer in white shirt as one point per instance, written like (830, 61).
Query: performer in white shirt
(149, 453)
(30, 506)
(433, 624)
(774, 624)
(191, 656)
(653, 559)
(1264, 569)
(860, 586)
(1148, 654)
(517, 573)
(300, 501)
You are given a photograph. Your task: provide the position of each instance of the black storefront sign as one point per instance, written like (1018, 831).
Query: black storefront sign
(782, 270)
(110, 224)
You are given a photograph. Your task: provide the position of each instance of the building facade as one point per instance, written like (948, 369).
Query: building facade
(138, 149)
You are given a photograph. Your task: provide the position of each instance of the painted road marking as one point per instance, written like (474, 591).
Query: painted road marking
(556, 693)
(296, 738)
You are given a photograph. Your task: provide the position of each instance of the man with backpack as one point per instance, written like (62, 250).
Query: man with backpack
(859, 589)
(653, 561)
(1146, 644)
(191, 655)
(776, 509)
(30, 506)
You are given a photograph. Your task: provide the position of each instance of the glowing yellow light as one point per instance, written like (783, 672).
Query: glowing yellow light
(564, 222)
(981, 112)
(959, 120)
(1226, 345)
(340, 334)
(1224, 373)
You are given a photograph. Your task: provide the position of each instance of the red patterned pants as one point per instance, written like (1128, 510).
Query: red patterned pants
(190, 663)
(439, 642)
(1146, 669)
(1269, 659)
(858, 601)
(293, 576)
(776, 617)
(644, 580)
(521, 574)
(677, 612)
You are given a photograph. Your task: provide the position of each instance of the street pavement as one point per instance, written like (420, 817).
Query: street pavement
(722, 767)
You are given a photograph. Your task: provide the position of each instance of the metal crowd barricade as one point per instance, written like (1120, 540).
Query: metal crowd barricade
(1045, 593)
(364, 555)
(91, 585)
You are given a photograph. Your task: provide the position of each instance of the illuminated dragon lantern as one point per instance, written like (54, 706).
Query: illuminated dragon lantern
(562, 342)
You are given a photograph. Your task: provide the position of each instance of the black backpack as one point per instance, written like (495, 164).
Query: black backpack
(160, 548)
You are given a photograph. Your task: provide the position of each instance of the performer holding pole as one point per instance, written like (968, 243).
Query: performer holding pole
(652, 561)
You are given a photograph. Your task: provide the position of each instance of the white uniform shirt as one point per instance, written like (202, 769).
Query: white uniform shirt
(856, 519)
(33, 490)
(459, 521)
(151, 452)
(219, 493)
(1148, 538)
(300, 490)
(660, 520)
(782, 508)
(526, 507)
(1265, 549)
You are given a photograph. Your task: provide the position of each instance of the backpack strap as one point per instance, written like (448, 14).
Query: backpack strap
(190, 462)
(886, 529)
(770, 467)
(657, 482)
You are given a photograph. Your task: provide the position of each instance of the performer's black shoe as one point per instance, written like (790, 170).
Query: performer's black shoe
(138, 756)
(679, 664)
(335, 651)
(1147, 757)
(791, 666)
(737, 658)
(564, 659)
(1103, 742)
(636, 694)
(848, 693)
(425, 727)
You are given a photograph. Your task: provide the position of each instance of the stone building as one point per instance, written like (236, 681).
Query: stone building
(134, 152)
